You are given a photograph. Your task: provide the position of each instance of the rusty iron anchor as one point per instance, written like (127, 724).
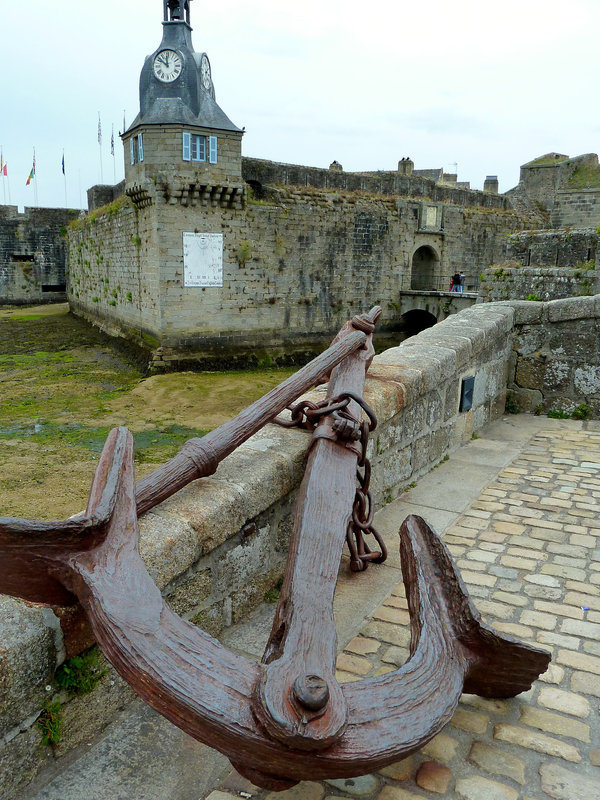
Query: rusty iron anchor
(286, 719)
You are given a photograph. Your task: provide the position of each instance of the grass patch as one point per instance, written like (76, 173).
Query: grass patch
(585, 176)
(65, 386)
(81, 674)
(50, 723)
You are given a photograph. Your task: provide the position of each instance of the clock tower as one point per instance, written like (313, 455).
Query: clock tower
(181, 147)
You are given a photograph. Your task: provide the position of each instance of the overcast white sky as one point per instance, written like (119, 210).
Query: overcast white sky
(485, 85)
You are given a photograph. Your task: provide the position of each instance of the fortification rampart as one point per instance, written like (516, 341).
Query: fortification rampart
(215, 548)
(32, 254)
(260, 172)
(295, 265)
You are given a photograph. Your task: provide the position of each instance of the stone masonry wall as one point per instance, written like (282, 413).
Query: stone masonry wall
(32, 254)
(556, 360)
(576, 209)
(218, 545)
(267, 173)
(106, 280)
(554, 248)
(295, 267)
(510, 282)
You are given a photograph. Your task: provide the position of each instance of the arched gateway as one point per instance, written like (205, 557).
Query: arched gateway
(425, 269)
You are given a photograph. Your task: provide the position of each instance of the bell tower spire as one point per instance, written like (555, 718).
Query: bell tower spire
(177, 11)
(181, 134)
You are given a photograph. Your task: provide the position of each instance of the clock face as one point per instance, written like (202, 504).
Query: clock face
(205, 73)
(167, 66)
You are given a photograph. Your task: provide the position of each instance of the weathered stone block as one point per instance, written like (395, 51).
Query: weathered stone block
(189, 593)
(27, 662)
(530, 371)
(570, 308)
(527, 399)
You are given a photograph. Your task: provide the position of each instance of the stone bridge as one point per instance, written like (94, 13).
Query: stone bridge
(421, 309)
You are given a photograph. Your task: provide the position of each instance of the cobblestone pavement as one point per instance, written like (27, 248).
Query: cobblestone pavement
(529, 551)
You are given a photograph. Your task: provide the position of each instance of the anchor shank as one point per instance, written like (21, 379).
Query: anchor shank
(299, 700)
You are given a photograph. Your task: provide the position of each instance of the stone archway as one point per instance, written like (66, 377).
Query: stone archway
(425, 268)
(415, 321)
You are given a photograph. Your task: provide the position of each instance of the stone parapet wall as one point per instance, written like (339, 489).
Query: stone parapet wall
(266, 173)
(510, 282)
(217, 546)
(556, 360)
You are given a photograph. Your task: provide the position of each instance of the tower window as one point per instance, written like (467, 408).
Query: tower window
(195, 147)
(136, 146)
(198, 148)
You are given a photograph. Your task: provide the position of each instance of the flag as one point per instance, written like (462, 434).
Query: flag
(32, 173)
(112, 141)
(99, 129)
(63, 163)
(5, 170)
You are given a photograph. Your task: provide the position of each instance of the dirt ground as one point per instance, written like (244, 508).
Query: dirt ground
(64, 385)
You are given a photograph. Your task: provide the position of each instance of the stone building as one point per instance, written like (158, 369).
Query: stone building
(33, 254)
(211, 256)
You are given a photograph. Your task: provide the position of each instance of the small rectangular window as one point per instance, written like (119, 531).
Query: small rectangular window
(212, 143)
(198, 148)
(187, 146)
(140, 147)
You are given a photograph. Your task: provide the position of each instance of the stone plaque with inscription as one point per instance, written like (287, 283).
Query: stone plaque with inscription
(202, 259)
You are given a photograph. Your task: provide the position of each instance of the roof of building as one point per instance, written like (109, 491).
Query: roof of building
(173, 111)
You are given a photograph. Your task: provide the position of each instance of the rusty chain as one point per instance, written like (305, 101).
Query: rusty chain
(355, 434)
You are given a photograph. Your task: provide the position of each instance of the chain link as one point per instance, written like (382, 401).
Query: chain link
(347, 428)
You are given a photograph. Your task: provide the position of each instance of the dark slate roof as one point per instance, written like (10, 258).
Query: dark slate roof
(172, 110)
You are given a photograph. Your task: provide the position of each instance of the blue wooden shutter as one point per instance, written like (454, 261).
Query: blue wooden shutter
(212, 144)
(187, 146)
(132, 148)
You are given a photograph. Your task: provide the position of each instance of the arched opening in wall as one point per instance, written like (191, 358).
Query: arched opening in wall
(424, 271)
(257, 190)
(415, 321)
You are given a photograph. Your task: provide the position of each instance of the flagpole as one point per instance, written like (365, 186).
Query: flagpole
(35, 186)
(64, 178)
(112, 150)
(100, 148)
(2, 173)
